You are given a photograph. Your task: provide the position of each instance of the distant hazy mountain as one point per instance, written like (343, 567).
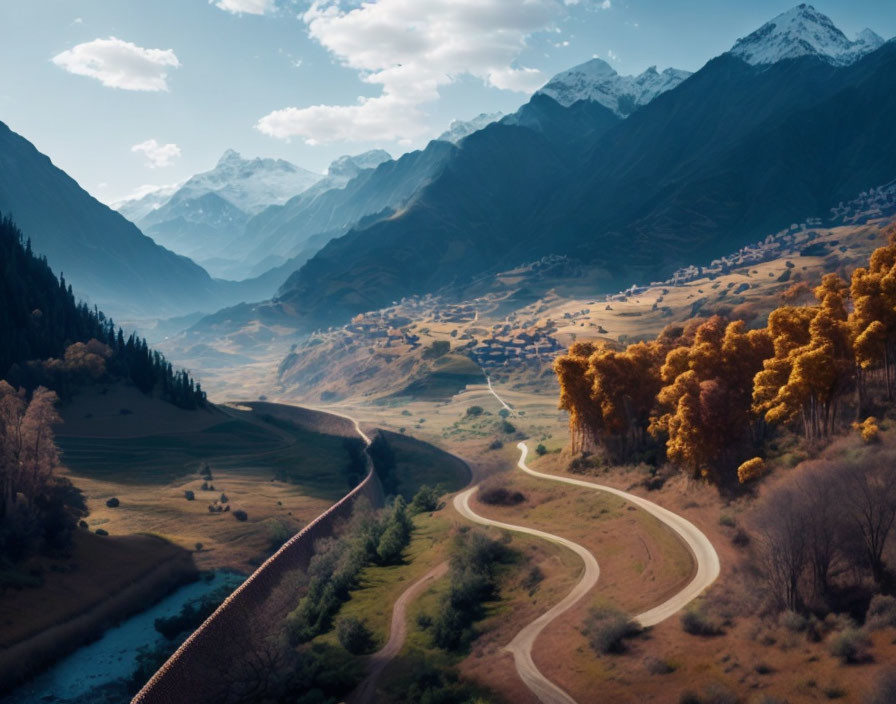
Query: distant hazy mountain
(458, 129)
(137, 207)
(295, 231)
(105, 257)
(597, 81)
(803, 31)
(202, 217)
(689, 175)
(249, 184)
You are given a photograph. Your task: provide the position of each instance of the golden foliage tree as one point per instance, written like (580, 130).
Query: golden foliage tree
(705, 403)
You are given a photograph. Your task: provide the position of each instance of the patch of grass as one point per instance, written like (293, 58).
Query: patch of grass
(269, 446)
(418, 464)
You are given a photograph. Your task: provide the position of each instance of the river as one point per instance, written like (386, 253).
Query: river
(97, 672)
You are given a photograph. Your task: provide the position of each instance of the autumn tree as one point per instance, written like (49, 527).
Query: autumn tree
(705, 402)
(623, 390)
(34, 504)
(575, 393)
(873, 318)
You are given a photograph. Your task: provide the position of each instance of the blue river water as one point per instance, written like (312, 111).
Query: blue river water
(96, 672)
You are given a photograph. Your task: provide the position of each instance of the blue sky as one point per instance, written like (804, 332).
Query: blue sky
(125, 93)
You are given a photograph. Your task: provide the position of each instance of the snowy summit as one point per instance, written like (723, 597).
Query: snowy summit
(597, 81)
(803, 31)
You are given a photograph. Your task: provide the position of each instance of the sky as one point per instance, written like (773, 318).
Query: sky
(128, 94)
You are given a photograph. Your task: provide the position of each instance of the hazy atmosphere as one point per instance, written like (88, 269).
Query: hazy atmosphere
(447, 352)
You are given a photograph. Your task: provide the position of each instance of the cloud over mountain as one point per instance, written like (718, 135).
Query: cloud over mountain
(411, 49)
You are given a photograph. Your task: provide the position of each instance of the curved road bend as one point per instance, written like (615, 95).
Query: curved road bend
(521, 645)
(701, 548)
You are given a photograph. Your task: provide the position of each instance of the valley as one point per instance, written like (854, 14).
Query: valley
(449, 355)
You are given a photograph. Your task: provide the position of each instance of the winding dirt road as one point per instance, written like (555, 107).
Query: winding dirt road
(397, 633)
(701, 548)
(521, 646)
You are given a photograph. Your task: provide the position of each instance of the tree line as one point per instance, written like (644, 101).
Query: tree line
(49, 338)
(704, 395)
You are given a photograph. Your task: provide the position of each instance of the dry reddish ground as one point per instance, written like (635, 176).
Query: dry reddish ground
(754, 656)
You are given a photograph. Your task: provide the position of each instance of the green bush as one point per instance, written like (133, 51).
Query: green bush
(541, 450)
(112, 503)
(240, 515)
(508, 427)
(101, 531)
(474, 566)
(475, 411)
(278, 533)
(355, 636)
(426, 500)
(189, 495)
(334, 569)
(533, 579)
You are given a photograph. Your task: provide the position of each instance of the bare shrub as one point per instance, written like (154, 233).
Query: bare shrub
(851, 646)
(881, 612)
(607, 630)
(697, 621)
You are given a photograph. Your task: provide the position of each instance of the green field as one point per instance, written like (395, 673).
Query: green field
(264, 446)
(419, 463)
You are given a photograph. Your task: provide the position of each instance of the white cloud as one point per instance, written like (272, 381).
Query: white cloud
(410, 49)
(250, 7)
(606, 5)
(157, 155)
(119, 64)
(612, 55)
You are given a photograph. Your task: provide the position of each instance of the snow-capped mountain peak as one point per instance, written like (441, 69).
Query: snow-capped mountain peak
(348, 166)
(803, 31)
(458, 129)
(597, 81)
(249, 184)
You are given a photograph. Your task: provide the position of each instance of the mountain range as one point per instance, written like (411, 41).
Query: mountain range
(722, 156)
(635, 174)
(105, 257)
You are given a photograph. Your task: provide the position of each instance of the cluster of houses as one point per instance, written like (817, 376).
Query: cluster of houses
(535, 345)
(877, 202)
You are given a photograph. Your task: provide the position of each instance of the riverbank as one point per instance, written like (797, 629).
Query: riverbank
(101, 671)
(101, 582)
